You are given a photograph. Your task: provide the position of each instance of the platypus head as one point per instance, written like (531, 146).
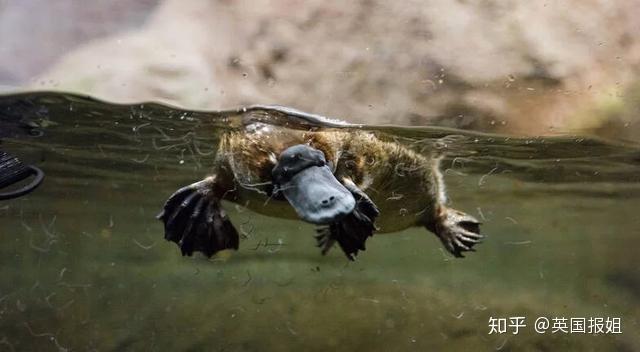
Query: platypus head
(304, 178)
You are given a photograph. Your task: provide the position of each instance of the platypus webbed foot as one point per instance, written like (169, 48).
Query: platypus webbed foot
(458, 231)
(351, 234)
(194, 219)
(352, 231)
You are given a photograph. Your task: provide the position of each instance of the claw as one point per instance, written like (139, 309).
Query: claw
(470, 234)
(472, 240)
(324, 239)
(457, 231)
(461, 245)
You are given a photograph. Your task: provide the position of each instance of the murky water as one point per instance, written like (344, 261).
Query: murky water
(85, 266)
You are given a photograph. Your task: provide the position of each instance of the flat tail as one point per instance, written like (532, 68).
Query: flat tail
(195, 221)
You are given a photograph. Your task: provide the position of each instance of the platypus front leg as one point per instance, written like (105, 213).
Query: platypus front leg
(194, 219)
(352, 231)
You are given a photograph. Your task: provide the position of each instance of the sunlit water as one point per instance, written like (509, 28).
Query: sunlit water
(85, 266)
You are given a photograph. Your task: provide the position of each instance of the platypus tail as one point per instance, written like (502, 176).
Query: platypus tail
(194, 219)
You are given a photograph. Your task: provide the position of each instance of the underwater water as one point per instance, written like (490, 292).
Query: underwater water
(84, 264)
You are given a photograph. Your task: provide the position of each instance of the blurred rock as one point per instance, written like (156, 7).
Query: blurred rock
(504, 66)
(34, 33)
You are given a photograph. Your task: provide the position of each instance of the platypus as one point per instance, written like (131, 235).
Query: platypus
(348, 182)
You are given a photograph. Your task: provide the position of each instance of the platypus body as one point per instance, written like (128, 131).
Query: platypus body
(348, 182)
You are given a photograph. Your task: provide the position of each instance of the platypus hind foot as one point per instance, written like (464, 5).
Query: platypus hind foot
(194, 219)
(458, 231)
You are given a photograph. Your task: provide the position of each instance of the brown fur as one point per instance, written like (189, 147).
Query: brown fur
(406, 187)
(403, 184)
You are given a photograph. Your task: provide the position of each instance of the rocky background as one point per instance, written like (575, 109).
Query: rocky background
(506, 66)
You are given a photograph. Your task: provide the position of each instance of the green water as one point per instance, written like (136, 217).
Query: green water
(84, 265)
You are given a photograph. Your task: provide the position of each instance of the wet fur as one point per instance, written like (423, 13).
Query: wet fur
(405, 189)
(384, 170)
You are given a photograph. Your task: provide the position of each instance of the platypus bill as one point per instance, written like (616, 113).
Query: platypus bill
(319, 176)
